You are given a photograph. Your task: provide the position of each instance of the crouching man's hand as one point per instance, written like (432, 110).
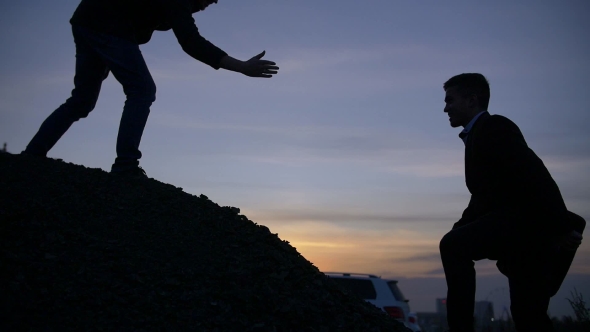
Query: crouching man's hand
(570, 241)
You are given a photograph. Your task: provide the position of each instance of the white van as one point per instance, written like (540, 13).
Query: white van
(382, 293)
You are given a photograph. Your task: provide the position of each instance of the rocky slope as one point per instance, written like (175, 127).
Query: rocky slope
(81, 250)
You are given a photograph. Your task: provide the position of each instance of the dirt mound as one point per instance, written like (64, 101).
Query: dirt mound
(81, 250)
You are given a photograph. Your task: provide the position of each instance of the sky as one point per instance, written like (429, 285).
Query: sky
(346, 153)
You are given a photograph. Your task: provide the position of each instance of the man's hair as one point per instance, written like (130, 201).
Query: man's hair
(471, 84)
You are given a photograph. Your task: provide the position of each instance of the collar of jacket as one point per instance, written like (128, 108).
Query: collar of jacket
(465, 132)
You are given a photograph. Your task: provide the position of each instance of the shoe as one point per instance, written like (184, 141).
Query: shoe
(133, 173)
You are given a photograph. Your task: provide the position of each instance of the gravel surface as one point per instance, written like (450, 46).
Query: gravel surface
(82, 250)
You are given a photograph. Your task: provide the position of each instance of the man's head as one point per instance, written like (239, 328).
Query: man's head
(466, 96)
(202, 4)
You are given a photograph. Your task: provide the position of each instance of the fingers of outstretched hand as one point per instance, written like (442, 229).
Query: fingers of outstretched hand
(264, 75)
(271, 66)
(270, 69)
(265, 63)
(263, 69)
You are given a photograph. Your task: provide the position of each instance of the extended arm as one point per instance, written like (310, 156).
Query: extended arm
(179, 15)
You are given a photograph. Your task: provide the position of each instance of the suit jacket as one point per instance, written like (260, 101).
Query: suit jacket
(503, 174)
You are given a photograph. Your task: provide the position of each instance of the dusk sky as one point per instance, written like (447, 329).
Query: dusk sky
(346, 153)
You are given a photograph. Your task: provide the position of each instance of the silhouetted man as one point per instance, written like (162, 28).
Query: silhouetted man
(107, 34)
(516, 214)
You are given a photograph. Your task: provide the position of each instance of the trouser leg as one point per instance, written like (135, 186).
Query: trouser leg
(459, 249)
(140, 89)
(125, 61)
(529, 293)
(91, 70)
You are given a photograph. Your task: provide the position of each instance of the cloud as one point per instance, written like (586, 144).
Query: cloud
(314, 59)
(398, 68)
(430, 257)
(435, 272)
(305, 145)
(377, 149)
(345, 216)
(579, 164)
(334, 247)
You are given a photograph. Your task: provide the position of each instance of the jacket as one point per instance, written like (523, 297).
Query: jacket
(136, 20)
(503, 174)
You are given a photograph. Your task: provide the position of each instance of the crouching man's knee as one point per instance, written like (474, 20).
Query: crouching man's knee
(152, 92)
(447, 244)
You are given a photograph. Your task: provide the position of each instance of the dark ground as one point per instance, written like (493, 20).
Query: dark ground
(81, 250)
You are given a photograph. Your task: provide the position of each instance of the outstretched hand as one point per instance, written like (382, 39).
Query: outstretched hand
(256, 67)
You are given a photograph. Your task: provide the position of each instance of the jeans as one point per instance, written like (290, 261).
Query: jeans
(97, 54)
(522, 256)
